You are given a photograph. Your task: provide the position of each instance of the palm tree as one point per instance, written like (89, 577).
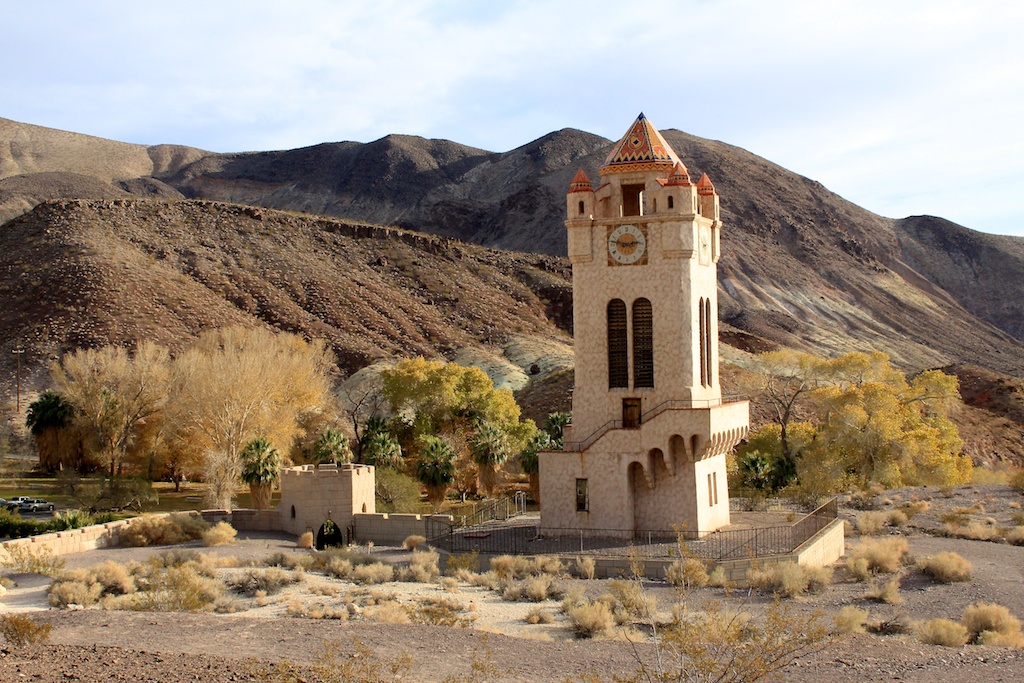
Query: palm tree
(47, 418)
(529, 461)
(332, 446)
(489, 449)
(381, 449)
(435, 468)
(261, 467)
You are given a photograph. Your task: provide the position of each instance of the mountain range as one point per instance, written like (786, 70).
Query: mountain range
(406, 245)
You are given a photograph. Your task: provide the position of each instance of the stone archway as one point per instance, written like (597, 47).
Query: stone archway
(329, 534)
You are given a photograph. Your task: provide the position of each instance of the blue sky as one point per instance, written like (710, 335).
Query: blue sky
(903, 107)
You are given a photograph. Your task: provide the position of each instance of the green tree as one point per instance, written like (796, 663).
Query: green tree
(529, 459)
(435, 468)
(332, 446)
(261, 468)
(490, 449)
(382, 450)
(554, 424)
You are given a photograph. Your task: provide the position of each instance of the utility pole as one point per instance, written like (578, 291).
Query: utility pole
(18, 351)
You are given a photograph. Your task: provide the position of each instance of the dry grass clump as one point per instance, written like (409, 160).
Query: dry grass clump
(1017, 481)
(422, 567)
(19, 630)
(586, 567)
(947, 567)
(536, 588)
(1015, 535)
(718, 578)
(220, 533)
(305, 540)
(591, 619)
(539, 616)
(518, 567)
(176, 589)
(462, 562)
(162, 530)
(687, 573)
(22, 559)
(876, 557)
(378, 572)
(389, 613)
(71, 592)
(869, 523)
(942, 632)
(851, 620)
(915, 507)
(266, 581)
(440, 611)
(975, 531)
(889, 592)
(413, 542)
(631, 598)
(290, 561)
(315, 610)
(789, 579)
(992, 624)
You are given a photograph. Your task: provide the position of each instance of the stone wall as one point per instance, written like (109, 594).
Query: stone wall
(391, 529)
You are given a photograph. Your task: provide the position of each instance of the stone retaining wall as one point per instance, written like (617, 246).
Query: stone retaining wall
(391, 529)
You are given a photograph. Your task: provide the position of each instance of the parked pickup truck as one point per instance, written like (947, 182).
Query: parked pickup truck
(34, 505)
(15, 502)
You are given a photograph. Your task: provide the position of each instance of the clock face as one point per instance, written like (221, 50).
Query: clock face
(627, 244)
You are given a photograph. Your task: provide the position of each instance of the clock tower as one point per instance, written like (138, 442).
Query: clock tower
(650, 430)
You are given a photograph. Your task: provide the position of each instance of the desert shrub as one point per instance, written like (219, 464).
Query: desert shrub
(687, 573)
(178, 589)
(337, 567)
(954, 517)
(974, 531)
(718, 578)
(631, 597)
(268, 581)
(547, 564)
(220, 533)
(1015, 535)
(378, 572)
(13, 526)
(19, 630)
(539, 616)
(305, 540)
(541, 587)
(69, 519)
(290, 560)
(22, 559)
(994, 639)
(946, 567)
(64, 593)
(390, 613)
(942, 632)
(572, 598)
(413, 542)
(981, 617)
(488, 579)
(162, 530)
(869, 523)
(113, 577)
(356, 558)
(1017, 481)
(888, 592)
(851, 619)
(440, 611)
(897, 518)
(877, 557)
(788, 579)
(422, 567)
(510, 566)
(866, 499)
(591, 619)
(915, 507)
(462, 561)
(586, 567)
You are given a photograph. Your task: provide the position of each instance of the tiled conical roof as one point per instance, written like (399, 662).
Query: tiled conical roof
(641, 149)
(704, 185)
(580, 183)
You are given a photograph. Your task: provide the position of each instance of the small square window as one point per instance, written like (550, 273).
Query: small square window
(582, 496)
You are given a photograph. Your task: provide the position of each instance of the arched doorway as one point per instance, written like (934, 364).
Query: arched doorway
(329, 535)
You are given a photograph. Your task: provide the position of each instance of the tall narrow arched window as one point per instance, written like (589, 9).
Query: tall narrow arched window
(618, 363)
(671, 202)
(583, 207)
(702, 336)
(708, 340)
(643, 344)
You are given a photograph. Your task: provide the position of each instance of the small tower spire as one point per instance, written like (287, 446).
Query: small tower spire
(580, 183)
(704, 186)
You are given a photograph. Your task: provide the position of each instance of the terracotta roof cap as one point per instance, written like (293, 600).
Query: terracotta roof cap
(580, 183)
(680, 176)
(704, 185)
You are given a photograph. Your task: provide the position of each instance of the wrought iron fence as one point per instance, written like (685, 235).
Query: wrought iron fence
(534, 539)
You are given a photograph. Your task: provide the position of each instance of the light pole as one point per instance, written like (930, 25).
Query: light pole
(19, 352)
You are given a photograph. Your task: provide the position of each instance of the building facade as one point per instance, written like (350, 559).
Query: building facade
(650, 430)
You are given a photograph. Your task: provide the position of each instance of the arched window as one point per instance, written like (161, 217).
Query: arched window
(671, 202)
(702, 336)
(618, 364)
(582, 207)
(707, 340)
(643, 344)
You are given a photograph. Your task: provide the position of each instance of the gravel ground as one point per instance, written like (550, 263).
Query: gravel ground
(95, 645)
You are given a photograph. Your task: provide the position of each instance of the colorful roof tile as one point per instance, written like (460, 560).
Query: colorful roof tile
(704, 185)
(580, 183)
(641, 149)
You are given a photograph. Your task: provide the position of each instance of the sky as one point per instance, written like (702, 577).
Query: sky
(902, 107)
